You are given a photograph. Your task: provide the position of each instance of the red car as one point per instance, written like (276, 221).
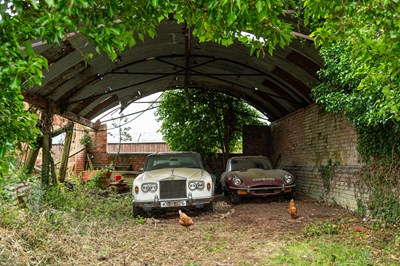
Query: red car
(253, 176)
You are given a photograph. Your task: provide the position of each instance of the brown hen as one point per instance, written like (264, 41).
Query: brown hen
(292, 209)
(185, 220)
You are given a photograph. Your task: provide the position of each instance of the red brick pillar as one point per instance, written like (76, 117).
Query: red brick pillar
(98, 148)
(80, 158)
(80, 162)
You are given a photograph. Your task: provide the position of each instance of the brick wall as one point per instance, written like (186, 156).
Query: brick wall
(101, 156)
(98, 148)
(256, 140)
(306, 140)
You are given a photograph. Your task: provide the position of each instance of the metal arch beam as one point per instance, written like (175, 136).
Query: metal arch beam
(256, 104)
(275, 85)
(183, 69)
(160, 59)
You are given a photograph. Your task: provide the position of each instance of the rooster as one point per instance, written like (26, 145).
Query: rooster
(292, 209)
(185, 220)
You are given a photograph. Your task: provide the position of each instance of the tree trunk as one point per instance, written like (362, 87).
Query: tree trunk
(119, 148)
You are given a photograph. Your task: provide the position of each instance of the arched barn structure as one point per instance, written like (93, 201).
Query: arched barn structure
(300, 137)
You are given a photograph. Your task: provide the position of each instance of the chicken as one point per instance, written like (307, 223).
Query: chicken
(292, 209)
(185, 220)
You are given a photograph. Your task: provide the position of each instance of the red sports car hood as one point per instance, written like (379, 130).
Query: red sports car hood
(189, 173)
(257, 175)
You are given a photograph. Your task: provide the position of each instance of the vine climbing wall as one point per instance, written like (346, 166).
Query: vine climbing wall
(320, 149)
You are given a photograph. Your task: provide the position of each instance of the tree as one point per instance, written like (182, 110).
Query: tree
(203, 120)
(123, 134)
(360, 45)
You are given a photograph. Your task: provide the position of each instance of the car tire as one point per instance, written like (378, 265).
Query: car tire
(137, 211)
(288, 196)
(209, 207)
(235, 199)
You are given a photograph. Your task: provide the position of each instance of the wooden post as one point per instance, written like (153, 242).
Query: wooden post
(46, 147)
(53, 172)
(66, 150)
(30, 161)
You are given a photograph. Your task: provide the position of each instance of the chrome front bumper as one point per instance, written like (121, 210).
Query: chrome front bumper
(171, 203)
(255, 190)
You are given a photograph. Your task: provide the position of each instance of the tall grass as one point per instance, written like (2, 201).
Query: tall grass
(49, 226)
(67, 203)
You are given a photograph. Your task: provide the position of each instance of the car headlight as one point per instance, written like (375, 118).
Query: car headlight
(237, 181)
(196, 185)
(146, 187)
(288, 179)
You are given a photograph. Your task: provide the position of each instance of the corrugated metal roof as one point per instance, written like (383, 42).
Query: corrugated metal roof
(81, 90)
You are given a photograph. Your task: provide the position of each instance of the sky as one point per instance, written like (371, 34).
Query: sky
(139, 116)
(142, 122)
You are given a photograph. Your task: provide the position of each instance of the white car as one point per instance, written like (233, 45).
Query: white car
(173, 180)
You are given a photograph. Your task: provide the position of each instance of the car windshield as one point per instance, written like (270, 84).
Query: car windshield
(160, 161)
(248, 163)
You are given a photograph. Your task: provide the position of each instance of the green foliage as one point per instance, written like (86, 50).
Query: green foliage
(64, 204)
(203, 121)
(321, 228)
(327, 172)
(382, 185)
(112, 26)
(379, 142)
(99, 179)
(360, 44)
(139, 220)
(223, 21)
(85, 140)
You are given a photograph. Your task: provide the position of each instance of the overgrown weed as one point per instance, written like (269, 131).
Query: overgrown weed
(67, 211)
(61, 204)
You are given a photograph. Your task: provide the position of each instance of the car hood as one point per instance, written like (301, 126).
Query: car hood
(255, 175)
(174, 173)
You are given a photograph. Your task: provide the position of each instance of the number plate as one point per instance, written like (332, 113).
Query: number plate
(175, 203)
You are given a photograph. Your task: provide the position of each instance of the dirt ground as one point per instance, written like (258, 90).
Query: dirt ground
(244, 234)
(263, 214)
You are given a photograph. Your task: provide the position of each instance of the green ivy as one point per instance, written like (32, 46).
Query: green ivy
(85, 140)
(379, 150)
(327, 172)
(380, 142)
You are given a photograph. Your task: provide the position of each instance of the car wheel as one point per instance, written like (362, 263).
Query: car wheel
(235, 199)
(137, 211)
(209, 207)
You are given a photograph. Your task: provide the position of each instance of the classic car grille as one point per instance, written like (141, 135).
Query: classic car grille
(265, 189)
(172, 189)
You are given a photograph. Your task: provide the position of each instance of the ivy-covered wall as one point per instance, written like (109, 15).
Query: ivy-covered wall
(320, 149)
